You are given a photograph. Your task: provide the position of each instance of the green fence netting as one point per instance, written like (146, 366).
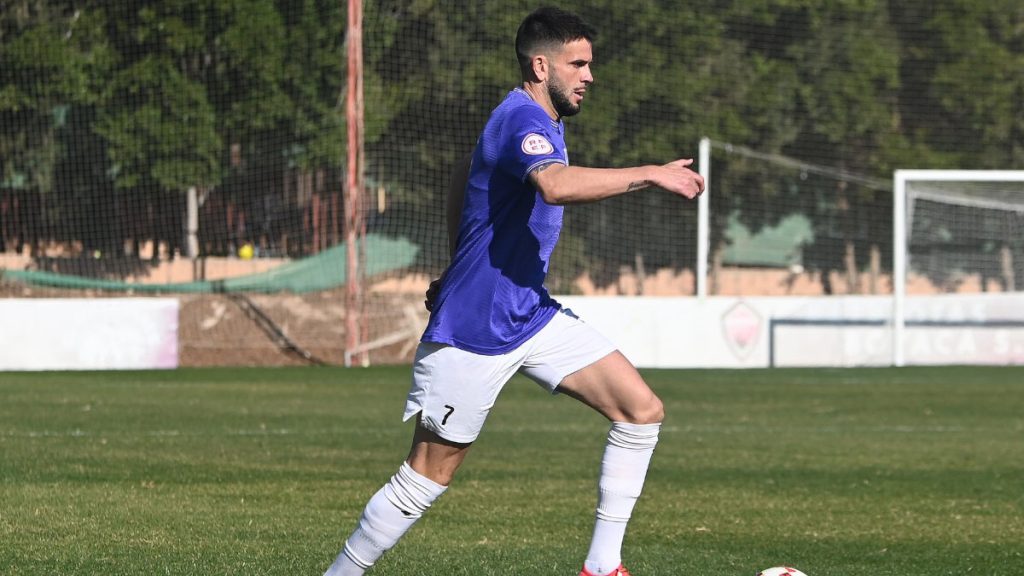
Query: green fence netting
(322, 271)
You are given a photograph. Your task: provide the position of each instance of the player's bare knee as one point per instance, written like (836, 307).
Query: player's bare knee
(443, 477)
(441, 471)
(651, 411)
(655, 411)
(434, 457)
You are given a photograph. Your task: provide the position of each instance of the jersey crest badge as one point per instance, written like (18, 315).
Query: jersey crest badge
(536, 145)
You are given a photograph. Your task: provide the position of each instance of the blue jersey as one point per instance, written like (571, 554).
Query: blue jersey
(492, 298)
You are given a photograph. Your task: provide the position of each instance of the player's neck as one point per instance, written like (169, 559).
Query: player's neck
(540, 95)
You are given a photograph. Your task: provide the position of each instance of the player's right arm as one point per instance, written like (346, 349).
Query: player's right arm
(561, 184)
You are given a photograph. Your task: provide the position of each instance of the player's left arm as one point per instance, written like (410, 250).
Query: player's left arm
(561, 184)
(454, 200)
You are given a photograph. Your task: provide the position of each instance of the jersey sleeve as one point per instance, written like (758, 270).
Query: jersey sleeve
(530, 142)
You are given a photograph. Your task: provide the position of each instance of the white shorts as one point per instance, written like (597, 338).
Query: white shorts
(455, 389)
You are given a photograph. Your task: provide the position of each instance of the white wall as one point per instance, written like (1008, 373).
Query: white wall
(654, 332)
(88, 334)
(726, 332)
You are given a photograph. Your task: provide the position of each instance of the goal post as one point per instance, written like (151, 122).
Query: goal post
(959, 223)
(703, 218)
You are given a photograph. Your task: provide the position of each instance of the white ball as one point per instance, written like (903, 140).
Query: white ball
(780, 571)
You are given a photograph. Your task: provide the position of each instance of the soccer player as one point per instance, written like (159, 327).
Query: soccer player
(492, 317)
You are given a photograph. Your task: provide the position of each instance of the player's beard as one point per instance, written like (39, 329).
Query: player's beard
(560, 98)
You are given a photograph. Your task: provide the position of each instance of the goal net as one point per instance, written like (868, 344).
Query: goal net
(957, 231)
(964, 235)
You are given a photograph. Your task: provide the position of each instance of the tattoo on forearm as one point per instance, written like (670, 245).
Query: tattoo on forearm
(542, 168)
(634, 186)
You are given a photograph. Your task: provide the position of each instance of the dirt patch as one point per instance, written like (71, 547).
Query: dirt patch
(217, 330)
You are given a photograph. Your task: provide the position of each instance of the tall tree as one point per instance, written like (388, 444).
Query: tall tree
(157, 119)
(849, 69)
(49, 53)
(978, 80)
(199, 87)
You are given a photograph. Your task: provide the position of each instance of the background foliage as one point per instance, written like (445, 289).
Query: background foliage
(109, 112)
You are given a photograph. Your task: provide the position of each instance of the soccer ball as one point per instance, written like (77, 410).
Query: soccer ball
(780, 571)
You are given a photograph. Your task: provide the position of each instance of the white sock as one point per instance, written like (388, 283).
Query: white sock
(388, 515)
(623, 470)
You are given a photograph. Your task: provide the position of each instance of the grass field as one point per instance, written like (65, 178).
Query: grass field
(264, 471)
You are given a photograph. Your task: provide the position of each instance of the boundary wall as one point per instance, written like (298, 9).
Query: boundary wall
(88, 334)
(725, 332)
(653, 331)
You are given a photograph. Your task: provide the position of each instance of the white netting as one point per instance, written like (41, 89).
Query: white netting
(964, 235)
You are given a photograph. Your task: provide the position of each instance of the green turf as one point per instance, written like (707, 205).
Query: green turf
(264, 471)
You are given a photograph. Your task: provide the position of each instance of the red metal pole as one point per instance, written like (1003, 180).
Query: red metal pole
(354, 179)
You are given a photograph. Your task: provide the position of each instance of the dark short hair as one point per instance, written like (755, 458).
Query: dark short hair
(546, 28)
